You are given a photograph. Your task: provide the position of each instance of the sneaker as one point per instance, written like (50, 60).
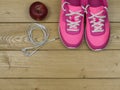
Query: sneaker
(71, 26)
(97, 24)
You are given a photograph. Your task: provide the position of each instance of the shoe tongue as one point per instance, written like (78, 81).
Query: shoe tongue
(74, 2)
(74, 8)
(95, 10)
(72, 18)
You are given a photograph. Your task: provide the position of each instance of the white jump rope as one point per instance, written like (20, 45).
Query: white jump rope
(36, 45)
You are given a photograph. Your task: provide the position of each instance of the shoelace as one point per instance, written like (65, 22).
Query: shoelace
(85, 8)
(97, 25)
(72, 25)
(36, 45)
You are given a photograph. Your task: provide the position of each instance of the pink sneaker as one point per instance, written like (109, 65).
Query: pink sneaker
(97, 24)
(71, 23)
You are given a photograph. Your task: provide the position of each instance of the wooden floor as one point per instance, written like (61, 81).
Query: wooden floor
(54, 67)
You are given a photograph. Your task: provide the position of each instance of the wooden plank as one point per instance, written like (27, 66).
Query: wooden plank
(59, 84)
(18, 10)
(60, 64)
(14, 37)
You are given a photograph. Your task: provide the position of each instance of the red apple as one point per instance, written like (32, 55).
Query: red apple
(38, 11)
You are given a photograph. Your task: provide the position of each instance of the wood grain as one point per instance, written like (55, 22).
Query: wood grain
(54, 67)
(60, 64)
(14, 37)
(18, 10)
(59, 84)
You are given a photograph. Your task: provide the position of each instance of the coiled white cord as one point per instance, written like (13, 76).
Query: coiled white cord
(36, 44)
